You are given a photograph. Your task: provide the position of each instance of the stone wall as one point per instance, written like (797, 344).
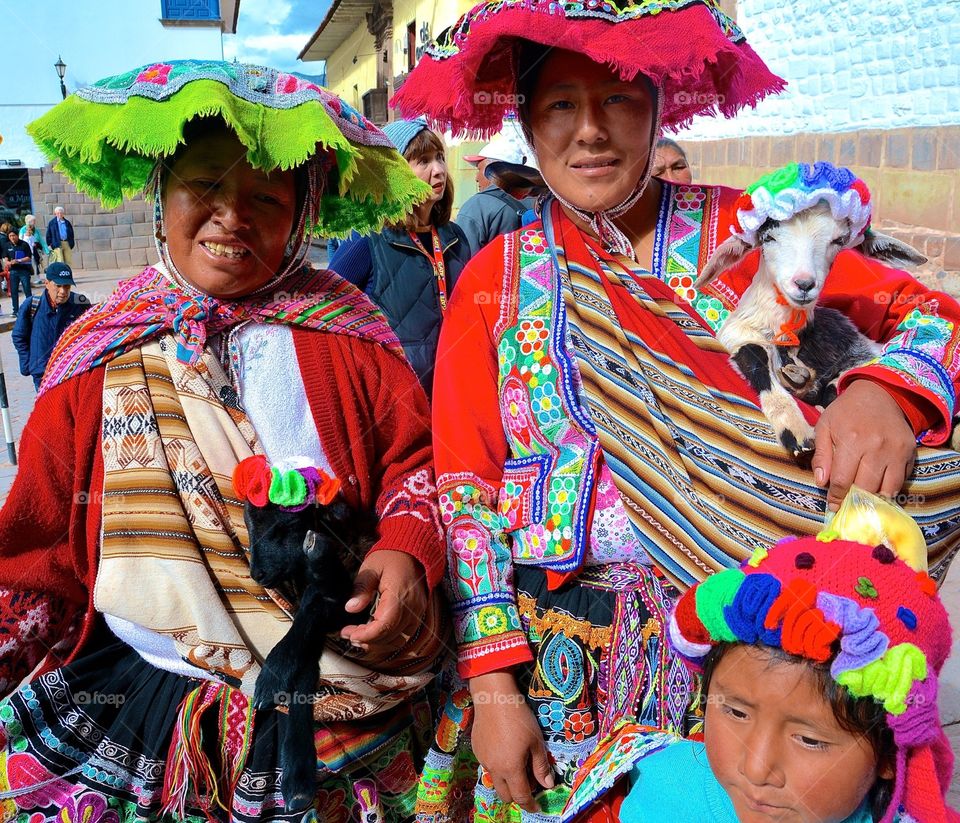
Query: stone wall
(857, 64)
(118, 238)
(913, 175)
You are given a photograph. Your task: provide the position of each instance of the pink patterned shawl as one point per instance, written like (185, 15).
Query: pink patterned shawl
(151, 303)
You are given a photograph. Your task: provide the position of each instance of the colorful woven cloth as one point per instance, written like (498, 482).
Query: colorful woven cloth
(602, 666)
(793, 188)
(466, 81)
(170, 445)
(108, 137)
(90, 742)
(145, 306)
(877, 622)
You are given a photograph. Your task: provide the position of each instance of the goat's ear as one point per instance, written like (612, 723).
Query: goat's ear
(730, 252)
(888, 249)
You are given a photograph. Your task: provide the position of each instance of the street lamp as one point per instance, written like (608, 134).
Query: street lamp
(61, 68)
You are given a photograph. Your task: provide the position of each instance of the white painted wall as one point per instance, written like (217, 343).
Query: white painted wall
(96, 38)
(850, 64)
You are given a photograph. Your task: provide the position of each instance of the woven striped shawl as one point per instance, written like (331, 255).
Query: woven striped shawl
(173, 555)
(704, 479)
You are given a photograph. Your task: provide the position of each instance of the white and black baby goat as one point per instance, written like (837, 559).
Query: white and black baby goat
(795, 259)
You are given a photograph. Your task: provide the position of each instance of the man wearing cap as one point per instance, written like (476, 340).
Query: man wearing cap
(506, 173)
(43, 318)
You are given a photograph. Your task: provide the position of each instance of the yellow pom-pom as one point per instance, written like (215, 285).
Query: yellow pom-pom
(872, 520)
(758, 556)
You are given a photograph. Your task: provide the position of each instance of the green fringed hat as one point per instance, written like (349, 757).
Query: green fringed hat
(107, 138)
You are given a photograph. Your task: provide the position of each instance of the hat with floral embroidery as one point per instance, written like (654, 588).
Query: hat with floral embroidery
(874, 620)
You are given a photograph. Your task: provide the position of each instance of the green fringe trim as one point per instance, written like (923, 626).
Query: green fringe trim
(109, 150)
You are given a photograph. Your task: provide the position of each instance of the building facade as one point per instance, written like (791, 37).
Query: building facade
(371, 45)
(873, 85)
(93, 40)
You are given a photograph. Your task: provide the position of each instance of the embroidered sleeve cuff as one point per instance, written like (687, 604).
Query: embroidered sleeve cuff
(489, 634)
(420, 538)
(920, 385)
(493, 654)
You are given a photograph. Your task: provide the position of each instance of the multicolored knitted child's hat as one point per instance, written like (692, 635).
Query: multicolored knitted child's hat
(787, 191)
(466, 80)
(878, 622)
(108, 137)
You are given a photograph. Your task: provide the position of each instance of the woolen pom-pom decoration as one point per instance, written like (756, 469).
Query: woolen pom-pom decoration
(877, 624)
(255, 481)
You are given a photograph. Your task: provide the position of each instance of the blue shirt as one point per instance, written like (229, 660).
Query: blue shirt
(62, 228)
(676, 784)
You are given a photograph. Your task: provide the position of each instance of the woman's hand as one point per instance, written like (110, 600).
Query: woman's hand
(507, 740)
(398, 579)
(863, 438)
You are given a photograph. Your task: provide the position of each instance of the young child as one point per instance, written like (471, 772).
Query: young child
(820, 663)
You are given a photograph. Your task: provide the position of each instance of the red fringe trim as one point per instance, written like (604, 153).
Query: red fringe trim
(700, 70)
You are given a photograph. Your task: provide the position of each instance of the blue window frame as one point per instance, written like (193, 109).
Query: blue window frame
(187, 10)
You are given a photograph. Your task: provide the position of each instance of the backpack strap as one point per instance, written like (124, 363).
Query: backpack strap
(34, 306)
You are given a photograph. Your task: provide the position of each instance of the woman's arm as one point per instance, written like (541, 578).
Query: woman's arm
(470, 450)
(49, 529)
(868, 435)
(373, 421)
(920, 330)
(352, 261)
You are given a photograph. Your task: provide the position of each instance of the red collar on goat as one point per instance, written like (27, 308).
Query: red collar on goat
(787, 336)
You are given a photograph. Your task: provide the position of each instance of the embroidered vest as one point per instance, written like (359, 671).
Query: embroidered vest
(547, 491)
(547, 496)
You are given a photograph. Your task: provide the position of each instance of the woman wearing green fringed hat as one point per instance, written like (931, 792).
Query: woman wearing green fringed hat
(224, 399)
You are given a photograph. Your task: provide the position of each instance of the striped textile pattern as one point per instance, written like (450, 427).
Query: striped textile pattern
(703, 477)
(173, 556)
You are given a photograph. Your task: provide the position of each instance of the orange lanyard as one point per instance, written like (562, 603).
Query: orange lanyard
(439, 267)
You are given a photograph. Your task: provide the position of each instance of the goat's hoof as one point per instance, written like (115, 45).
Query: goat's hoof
(298, 778)
(801, 448)
(298, 801)
(804, 455)
(796, 375)
(273, 685)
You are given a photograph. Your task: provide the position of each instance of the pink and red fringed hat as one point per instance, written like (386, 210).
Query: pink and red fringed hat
(467, 79)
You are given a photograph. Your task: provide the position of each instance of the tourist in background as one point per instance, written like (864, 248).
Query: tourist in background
(43, 318)
(506, 175)
(670, 163)
(31, 234)
(410, 269)
(20, 257)
(60, 237)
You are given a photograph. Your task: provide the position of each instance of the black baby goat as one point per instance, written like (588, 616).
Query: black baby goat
(306, 554)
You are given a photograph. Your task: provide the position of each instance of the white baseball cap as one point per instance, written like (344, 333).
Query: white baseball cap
(508, 146)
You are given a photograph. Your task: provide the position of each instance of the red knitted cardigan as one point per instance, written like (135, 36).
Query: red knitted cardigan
(374, 424)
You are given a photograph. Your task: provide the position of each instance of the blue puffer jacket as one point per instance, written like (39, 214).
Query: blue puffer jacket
(399, 278)
(39, 326)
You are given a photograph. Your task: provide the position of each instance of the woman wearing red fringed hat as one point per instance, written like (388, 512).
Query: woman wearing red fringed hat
(596, 451)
